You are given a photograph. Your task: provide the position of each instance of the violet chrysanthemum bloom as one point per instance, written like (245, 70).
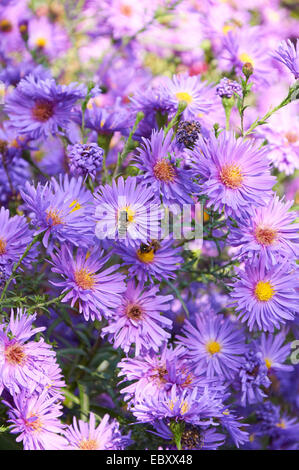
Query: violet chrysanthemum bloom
(85, 159)
(189, 406)
(87, 436)
(15, 235)
(253, 378)
(288, 54)
(159, 162)
(155, 374)
(214, 345)
(234, 174)
(226, 88)
(266, 297)
(63, 210)
(97, 291)
(195, 93)
(38, 108)
(274, 353)
(154, 260)
(36, 419)
(281, 428)
(269, 231)
(246, 46)
(23, 363)
(138, 320)
(127, 212)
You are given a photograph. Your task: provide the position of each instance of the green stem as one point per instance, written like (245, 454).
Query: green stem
(49, 302)
(128, 144)
(175, 119)
(18, 264)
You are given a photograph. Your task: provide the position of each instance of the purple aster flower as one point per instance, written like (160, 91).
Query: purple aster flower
(138, 320)
(268, 232)
(226, 88)
(40, 107)
(63, 210)
(106, 121)
(288, 54)
(15, 235)
(36, 419)
(214, 345)
(274, 353)
(150, 101)
(87, 436)
(234, 174)
(188, 406)
(85, 159)
(253, 378)
(266, 296)
(247, 46)
(22, 363)
(281, 428)
(195, 93)
(162, 168)
(127, 212)
(234, 427)
(155, 374)
(47, 37)
(97, 293)
(154, 260)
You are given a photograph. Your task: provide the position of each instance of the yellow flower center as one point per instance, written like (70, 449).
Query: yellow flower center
(88, 444)
(84, 279)
(41, 42)
(265, 235)
(184, 407)
(2, 246)
(281, 425)
(75, 205)
(264, 291)
(231, 176)
(246, 58)
(184, 96)
(213, 347)
(15, 355)
(164, 171)
(268, 363)
(227, 28)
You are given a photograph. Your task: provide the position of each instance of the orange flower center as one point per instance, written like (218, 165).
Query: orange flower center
(5, 26)
(2, 246)
(146, 257)
(15, 355)
(126, 10)
(265, 235)
(34, 425)
(43, 111)
(231, 176)
(88, 444)
(164, 171)
(53, 217)
(84, 279)
(291, 137)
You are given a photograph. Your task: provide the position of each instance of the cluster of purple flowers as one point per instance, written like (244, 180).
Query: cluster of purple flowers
(148, 228)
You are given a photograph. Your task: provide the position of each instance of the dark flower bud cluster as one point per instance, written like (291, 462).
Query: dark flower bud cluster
(85, 159)
(226, 88)
(188, 132)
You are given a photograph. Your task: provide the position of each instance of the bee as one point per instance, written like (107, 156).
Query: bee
(154, 245)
